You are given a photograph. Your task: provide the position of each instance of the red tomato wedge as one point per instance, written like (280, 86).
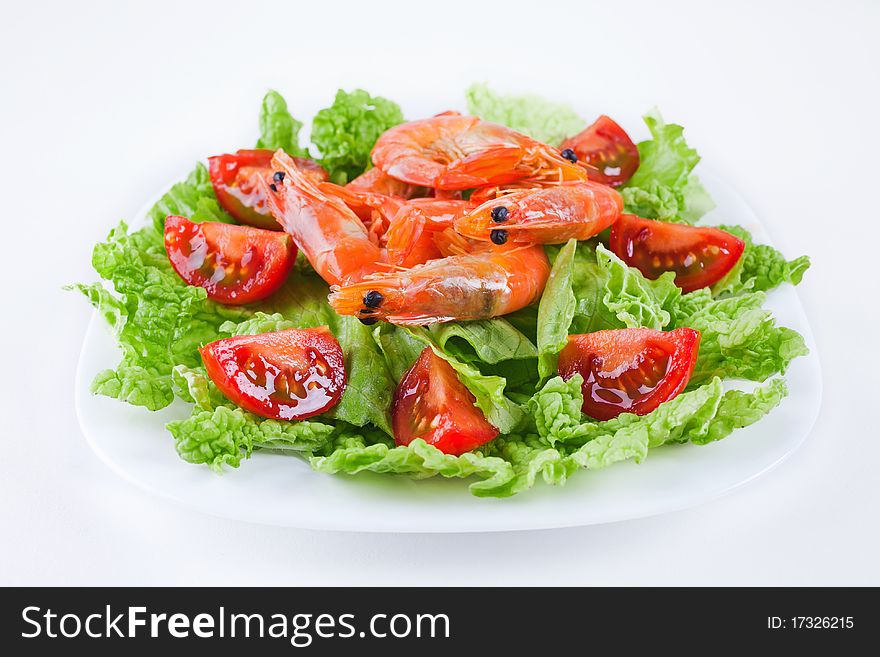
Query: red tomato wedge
(235, 177)
(431, 403)
(235, 264)
(699, 255)
(629, 370)
(607, 147)
(286, 375)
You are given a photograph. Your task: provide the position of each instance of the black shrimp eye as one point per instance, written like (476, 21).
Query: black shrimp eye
(368, 321)
(569, 155)
(373, 299)
(273, 187)
(499, 214)
(498, 236)
(278, 176)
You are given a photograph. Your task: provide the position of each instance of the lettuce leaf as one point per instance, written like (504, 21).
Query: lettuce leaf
(556, 310)
(531, 115)
(739, 339)
(636, 301)
(224, 436)
(489, 341)
(760, 268)
(399, 348)
(346, 131)
(278, 129)
(702, 415)
(664, 186)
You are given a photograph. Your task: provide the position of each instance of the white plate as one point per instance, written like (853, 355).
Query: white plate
(283, 490)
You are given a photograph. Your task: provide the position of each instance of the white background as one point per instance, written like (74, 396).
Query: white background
(102, 104)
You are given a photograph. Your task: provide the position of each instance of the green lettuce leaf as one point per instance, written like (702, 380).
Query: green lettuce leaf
(760, 268)
(224, 436)
(278, 129)
(369, 389)
(418, 460)
(636, 301)
(398, 346)
(663, 187)
(738, 338)
(702, 415)
(531, 115)
(346, 131)
(489, 341)
(556, 310)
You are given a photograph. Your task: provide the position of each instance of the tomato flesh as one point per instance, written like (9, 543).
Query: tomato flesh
(431, 403)
(286, 375)
(235, 264)
(699, 255)
(605, 146)
(236, 181)
(629, 370)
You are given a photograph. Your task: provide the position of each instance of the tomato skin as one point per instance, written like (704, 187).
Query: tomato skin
(234, 264)
(629, 370)
(286, 375)
(235, 178)
(654, 247)
(605, 146)
(431, 403)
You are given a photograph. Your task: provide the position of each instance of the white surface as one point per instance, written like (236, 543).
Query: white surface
(100, 104)
(278, 490)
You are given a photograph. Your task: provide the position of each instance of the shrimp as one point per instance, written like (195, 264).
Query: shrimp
(332, 237)
(548, 215)
(452, 152)
(376, 181)
(484, 283)
(410, 238)
(376, 210)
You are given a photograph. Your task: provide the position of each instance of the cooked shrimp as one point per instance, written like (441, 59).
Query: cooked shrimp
(410, 235)
(326, 230)
(376, 210)
(548, 215)
(377, 181)
(485, 283)
(459, 152)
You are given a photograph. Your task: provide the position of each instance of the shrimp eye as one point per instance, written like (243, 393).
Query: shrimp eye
(273, 187)
(368, 321)
(499, 214)
(373, 299)
(498, 236)
(278, 176)
(569, 155)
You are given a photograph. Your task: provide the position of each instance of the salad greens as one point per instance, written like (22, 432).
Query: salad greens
(345, 132)
(509, 364)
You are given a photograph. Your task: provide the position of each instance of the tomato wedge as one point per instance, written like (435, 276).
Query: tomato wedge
(235, 264)
(286, 375)
(235, 177)
(699, 255)
(607, 147)
(629, 370)
(431, 403)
